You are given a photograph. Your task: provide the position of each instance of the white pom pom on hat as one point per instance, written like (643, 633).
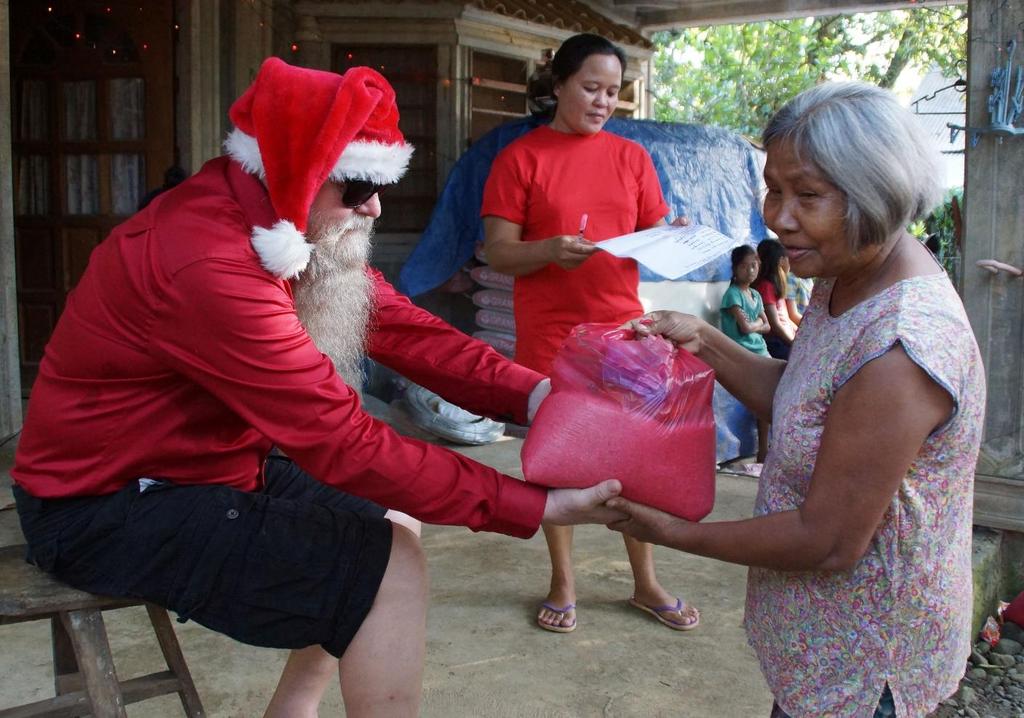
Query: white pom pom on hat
(295, 128)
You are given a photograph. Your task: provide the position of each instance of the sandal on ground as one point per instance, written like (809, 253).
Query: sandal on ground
(662, 613)
(561, 611)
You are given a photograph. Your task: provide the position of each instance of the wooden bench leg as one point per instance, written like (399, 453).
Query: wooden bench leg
(65, 667)
(92, 651)
(66, 676)
(175, 660)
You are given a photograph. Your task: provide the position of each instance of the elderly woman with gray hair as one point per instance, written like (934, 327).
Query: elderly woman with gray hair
(859, 591)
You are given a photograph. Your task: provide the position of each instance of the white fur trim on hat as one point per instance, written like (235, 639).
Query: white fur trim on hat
(244, 150)
(283, 249)
(372, 161)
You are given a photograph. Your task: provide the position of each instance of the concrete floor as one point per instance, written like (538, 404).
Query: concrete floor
(485, 657)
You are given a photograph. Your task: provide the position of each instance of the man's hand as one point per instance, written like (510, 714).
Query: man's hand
(566, 507)
(647, 524)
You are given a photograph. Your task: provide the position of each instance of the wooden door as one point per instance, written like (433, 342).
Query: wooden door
(92, 120)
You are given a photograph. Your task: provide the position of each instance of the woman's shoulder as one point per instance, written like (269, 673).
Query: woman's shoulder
(524, 154)
(915, 299)
(524, 143)
(928, 305)
(911, 303)
(923, 314)
(624, 145)
(620, 141)
(732, 293)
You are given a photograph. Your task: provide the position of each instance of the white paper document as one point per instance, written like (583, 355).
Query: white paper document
(669, 250)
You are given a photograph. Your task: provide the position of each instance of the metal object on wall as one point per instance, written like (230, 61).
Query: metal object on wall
(1004, 104)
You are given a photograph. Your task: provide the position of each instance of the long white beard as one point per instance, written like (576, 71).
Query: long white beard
(334, 295)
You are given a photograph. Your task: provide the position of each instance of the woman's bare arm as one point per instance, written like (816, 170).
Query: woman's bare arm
(781, 326)
(509, 254)
(875, 428)
(745, 326)
(794, 315)
(763, 327)
(749, 377)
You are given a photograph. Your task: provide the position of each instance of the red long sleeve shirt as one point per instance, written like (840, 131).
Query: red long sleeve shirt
(179, 357)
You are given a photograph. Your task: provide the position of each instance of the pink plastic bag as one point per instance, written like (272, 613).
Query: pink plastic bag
(634, 410)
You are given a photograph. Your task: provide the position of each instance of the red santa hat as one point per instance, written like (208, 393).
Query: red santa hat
(295, 128)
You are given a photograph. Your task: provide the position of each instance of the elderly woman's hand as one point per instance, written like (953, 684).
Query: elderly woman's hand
(569, 251)
(683, 330)
(645, 523)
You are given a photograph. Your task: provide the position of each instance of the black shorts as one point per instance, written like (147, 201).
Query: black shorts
(294, 565)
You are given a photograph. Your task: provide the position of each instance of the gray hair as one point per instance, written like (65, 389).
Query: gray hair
(870, 147)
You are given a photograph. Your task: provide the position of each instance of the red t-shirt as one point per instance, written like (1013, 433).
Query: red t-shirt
(767, 291)
(545, 181)
(771, 298)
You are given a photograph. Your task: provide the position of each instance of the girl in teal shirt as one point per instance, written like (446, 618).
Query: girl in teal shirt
(744, 321)
(743, 317)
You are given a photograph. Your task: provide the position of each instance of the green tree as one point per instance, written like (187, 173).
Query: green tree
(737, 76)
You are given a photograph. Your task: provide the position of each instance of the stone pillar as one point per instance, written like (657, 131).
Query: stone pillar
(199, 103)
(311, 50)
(254, 29)
(10, 374)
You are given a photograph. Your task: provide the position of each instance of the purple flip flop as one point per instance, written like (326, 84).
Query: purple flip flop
(656, 611)
(555, 609)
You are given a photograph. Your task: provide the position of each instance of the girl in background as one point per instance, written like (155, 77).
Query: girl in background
(744, 321)
(771, 285)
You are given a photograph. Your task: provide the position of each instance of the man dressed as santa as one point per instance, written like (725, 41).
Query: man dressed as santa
(185, 354)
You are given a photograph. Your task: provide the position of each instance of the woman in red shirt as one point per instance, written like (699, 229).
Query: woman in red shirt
(550, 195)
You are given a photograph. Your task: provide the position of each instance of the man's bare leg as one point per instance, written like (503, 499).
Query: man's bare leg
(382, 669)
(303, 681)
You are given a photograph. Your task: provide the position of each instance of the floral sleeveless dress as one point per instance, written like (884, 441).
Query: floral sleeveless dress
(829, 642)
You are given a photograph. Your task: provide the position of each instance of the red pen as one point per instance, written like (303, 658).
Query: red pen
(583, 224)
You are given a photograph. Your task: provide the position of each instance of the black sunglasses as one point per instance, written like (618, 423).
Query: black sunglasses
(356, 193)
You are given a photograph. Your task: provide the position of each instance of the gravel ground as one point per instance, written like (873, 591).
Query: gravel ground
(993, 686)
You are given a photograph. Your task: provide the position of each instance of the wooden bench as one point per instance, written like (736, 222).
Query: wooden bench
(83, 669)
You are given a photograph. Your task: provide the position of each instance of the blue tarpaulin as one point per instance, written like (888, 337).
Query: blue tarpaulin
(708, 174)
